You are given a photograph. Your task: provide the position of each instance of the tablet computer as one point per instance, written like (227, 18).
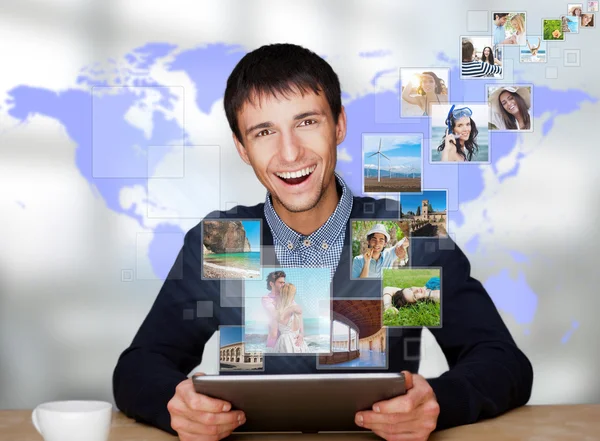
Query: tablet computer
(301, 403)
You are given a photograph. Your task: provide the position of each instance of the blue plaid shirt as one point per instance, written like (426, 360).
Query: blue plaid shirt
(320, 249)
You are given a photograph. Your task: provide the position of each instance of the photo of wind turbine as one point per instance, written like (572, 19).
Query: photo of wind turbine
(402, 154)
(378, 152)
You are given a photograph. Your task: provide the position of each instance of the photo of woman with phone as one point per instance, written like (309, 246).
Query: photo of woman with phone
(459, 144)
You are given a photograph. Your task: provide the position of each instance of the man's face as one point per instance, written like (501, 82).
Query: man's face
(291, 143)
(278, 285)
(378, 242)
(502, 21)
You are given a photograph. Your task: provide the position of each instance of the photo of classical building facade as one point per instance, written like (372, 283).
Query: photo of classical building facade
(232, 356)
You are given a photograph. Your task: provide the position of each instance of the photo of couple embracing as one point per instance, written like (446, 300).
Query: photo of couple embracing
(293, 316)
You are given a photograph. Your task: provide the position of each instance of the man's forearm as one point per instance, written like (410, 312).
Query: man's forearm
(143, 384)
(498, 379)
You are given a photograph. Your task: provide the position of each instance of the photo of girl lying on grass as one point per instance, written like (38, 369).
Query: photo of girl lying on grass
(411, 297)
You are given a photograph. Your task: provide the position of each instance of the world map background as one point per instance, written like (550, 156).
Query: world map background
(98, 190)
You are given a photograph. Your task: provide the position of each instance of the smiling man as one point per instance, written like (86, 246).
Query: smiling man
(283, 104)
(377, 257)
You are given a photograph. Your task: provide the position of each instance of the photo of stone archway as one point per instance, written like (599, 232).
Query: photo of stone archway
(358, 339)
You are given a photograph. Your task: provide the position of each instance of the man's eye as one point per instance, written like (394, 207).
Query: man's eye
(263, 132)
(311, 121)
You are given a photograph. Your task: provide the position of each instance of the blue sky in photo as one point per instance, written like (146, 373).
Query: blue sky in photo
(253, 233)
(410, 201)
(230, 334)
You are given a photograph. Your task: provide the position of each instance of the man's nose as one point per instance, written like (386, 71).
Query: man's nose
(290, 148)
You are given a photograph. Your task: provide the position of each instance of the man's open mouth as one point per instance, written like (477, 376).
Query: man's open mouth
(296, 177)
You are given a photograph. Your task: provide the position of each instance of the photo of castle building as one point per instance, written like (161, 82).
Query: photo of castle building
(426, 212)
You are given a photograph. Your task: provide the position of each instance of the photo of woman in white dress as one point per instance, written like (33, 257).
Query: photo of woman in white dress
(290, 323)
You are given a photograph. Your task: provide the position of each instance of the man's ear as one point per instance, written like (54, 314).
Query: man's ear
(241, 149)
(340, 128)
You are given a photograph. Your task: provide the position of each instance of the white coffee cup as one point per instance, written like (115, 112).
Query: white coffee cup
(73, 420)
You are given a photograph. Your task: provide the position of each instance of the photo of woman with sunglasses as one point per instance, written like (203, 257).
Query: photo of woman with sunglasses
(462, 140)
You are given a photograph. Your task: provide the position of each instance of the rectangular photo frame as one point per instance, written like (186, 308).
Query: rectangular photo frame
(588, 21)
(570, 24)
(228, 259)
(551, 29)
(232, 354)
(501, 119)
(367, 342)
(360, 229)
(412, 298)
(476, 69)
(423, 223)
(403, 155)
(310, 289)
(479, 115)
(536, 50)
(422, 86)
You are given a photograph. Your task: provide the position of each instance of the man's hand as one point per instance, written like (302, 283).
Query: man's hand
(196, 417)
(368, 255)
(401, 252)
(299, 340)
(412, 416)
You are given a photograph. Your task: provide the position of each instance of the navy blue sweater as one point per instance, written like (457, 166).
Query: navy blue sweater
(488, 374)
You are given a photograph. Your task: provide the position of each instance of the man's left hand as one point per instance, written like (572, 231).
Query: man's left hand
(412, 416)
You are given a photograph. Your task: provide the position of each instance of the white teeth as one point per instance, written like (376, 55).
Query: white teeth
(297, 174)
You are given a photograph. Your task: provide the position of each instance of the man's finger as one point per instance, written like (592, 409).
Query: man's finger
(218, 419)
(408, 380)
(371, 418)
(203, 403)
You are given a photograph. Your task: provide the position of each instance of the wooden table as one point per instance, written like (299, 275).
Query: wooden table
(531, 423)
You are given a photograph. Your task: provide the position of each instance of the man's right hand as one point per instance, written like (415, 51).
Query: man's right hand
(197, 417)
(367, 255)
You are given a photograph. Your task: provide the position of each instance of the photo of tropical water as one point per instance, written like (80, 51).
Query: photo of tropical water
(247, 261)
(482, 155)
(231, 249)
(316, 334)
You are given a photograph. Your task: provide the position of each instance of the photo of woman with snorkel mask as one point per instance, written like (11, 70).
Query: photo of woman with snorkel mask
(461, 138)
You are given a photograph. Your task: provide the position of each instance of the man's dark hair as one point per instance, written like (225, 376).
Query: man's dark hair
(279, 70)
(499, 15)
(272, 277)
(467, 50)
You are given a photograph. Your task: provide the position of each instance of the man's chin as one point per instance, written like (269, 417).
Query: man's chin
(299, 206)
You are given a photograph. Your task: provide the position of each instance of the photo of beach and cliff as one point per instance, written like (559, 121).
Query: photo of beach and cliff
(231, 249)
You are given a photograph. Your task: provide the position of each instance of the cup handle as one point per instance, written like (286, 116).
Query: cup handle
(34, 420)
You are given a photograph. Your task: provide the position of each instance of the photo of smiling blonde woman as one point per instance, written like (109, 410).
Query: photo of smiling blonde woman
(421, 88)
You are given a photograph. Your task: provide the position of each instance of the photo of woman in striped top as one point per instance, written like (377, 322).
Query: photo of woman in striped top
(476, 69)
